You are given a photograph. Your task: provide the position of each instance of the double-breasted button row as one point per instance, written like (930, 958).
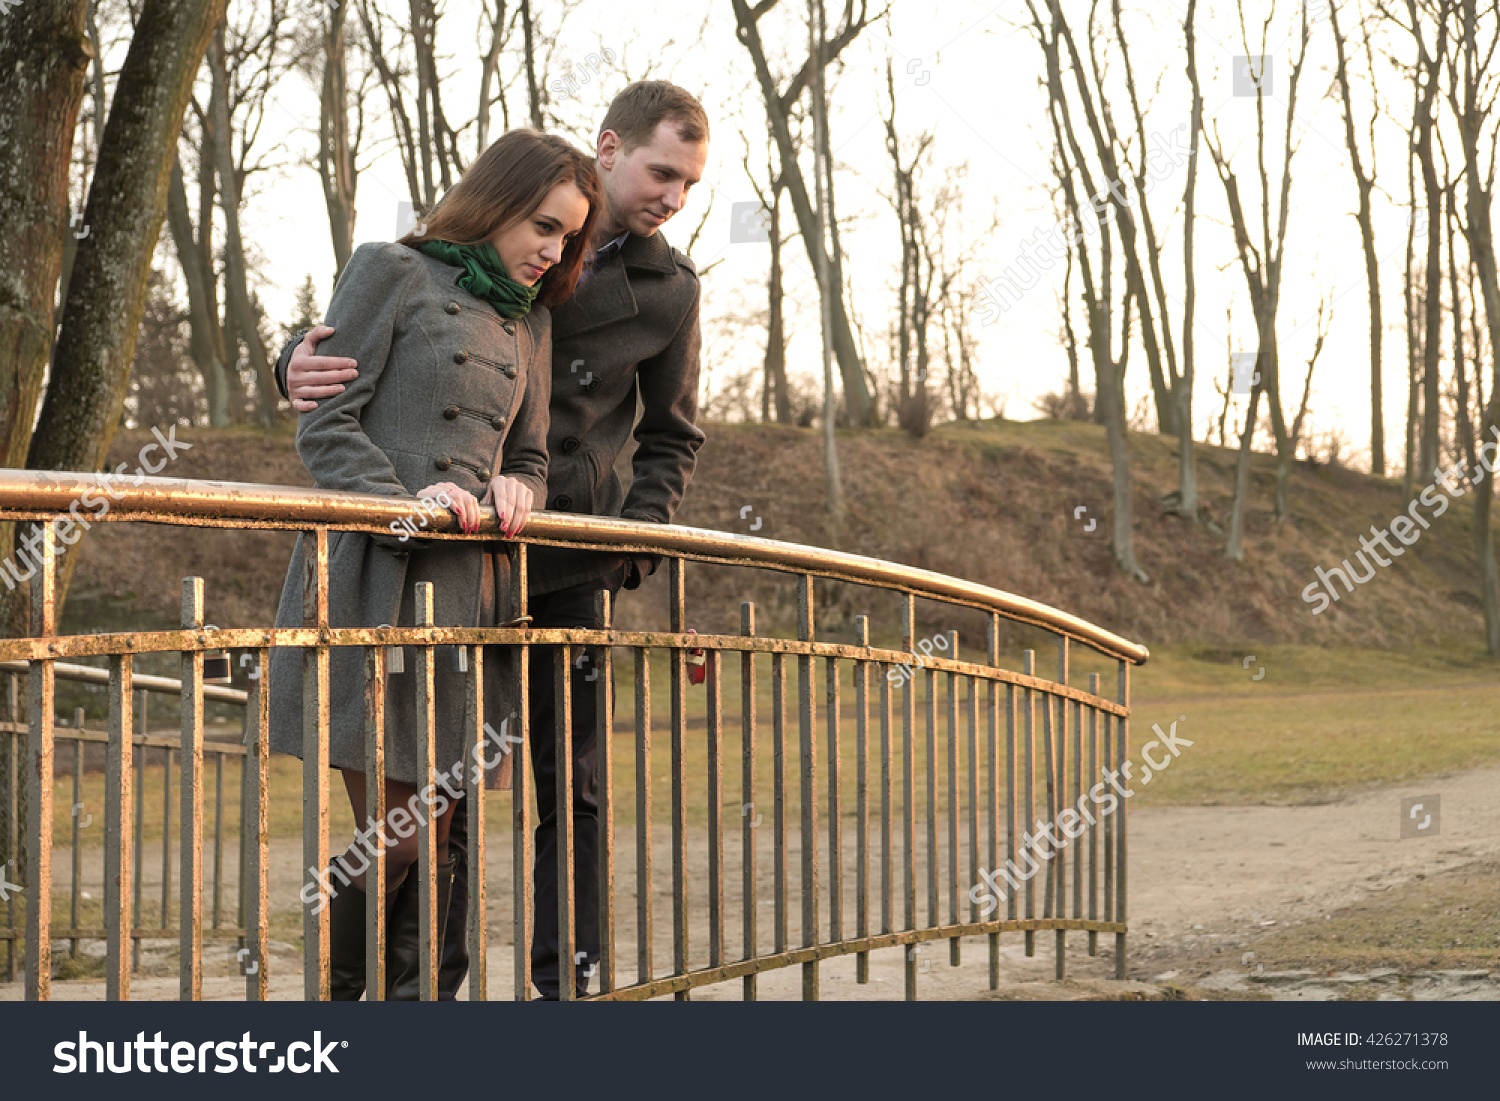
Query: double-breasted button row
(495, 421)
(483, 473)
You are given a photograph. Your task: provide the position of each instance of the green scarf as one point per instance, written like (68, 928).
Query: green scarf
(485, 276)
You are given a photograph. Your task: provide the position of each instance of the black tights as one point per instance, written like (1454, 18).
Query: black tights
(400, 852)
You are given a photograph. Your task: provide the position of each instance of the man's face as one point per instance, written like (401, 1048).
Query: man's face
(650, 183)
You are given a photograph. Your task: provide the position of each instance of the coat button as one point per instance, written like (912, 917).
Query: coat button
(497, 422)
(593, 385)
(451, 307)
(571, 444)
(510, 370)
(562, 502)
(451, 412)
(442, 464)
(509, 327)
(484, 475)
(460, 357)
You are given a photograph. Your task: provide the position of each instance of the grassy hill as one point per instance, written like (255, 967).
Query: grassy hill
(993, 502)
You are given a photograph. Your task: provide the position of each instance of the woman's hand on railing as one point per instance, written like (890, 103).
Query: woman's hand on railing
(465, 506)
(512, 500)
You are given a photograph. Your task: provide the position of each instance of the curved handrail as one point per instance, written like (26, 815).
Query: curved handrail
(30, 494)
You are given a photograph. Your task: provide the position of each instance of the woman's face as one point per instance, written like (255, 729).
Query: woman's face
(534, 244)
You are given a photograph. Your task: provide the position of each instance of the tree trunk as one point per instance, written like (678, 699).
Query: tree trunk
(236, 280)
(775, 395)
(205, 341)
(533, 93)
(1187, 464)
(336, 165)
(1235, 548)
(825, 289)
(860, 408)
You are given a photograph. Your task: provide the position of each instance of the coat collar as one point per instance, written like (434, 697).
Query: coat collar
(607, 296)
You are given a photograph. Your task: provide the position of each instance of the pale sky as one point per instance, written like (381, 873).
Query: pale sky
(969, 71)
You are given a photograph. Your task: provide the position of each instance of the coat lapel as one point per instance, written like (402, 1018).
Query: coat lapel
(607, 297)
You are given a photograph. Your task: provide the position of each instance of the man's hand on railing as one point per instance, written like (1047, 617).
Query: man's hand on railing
(310, 375)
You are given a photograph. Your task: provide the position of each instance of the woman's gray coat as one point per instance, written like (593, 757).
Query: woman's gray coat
(447, 391)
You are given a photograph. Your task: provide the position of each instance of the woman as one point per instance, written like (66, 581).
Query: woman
(451, 329)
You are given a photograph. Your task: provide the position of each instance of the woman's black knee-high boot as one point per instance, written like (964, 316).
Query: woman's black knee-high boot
(403, 952)
(346, 948)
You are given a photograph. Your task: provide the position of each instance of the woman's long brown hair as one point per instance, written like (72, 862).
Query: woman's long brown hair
(506, 185)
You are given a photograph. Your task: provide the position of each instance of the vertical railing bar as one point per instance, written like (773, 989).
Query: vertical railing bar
(605, 708)
(909, 786)
(10, 828)
(1093, 772)
(315, 721)
(119, 781)
(1049, 769)
(520, 794)
(139, 753)
(778, 796)
(809, 784)
(1059, 786)
(678, 671)
(992, 744)
(887, 787)
(929, 715)
(749, 818)
(972, 722)
(428, 929)
(1028, 750)
(377, 880)
(477, 932)
(166, 834)
(862, 797)
(1123, 754)
(258, 764)
(562, 748)
(835, 804)
(955, 810)
(75, 877)
(218, 835)
(39, 776)
(715, 686)
(644, 931)
(1075, 804)
(1108, 765)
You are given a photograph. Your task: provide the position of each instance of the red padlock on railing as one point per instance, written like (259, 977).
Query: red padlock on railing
(697, 663)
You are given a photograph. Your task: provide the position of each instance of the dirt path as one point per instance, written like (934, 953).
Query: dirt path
(1200, 878)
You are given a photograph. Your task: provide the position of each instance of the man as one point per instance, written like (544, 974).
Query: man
(630, 330)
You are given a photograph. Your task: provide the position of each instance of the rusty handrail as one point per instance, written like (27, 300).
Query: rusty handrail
(30, 494)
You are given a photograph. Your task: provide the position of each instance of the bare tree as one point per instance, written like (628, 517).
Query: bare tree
(1365, 183)
(817, 45)
(1096, 274)
(859, 406)
(775, 392)
(1261, 261)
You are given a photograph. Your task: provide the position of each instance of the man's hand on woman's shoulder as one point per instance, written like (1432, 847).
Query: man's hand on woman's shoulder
(310, 376)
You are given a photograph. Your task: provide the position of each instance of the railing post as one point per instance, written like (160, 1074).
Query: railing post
(190, 901)
(1057, 784)
(604, 694)
(909, 789)
(862, 797)
(678, 657)
(749, 817)
(992, 744)
(474, 788)
(37, 880)
(520, 794)
(1028, 772)
(377, 885)
(10, 829)
(428, 929)
(809, 777)
(255, 818)
(1122, 755)
(315, 764)
(119, 781)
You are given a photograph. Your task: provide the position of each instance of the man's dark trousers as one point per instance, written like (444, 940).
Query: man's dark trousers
(571, 607)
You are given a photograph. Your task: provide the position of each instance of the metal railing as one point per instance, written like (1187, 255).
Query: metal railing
(13, 799)
(994, 793)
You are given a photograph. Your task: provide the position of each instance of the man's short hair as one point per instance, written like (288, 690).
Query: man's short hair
(641, 107)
